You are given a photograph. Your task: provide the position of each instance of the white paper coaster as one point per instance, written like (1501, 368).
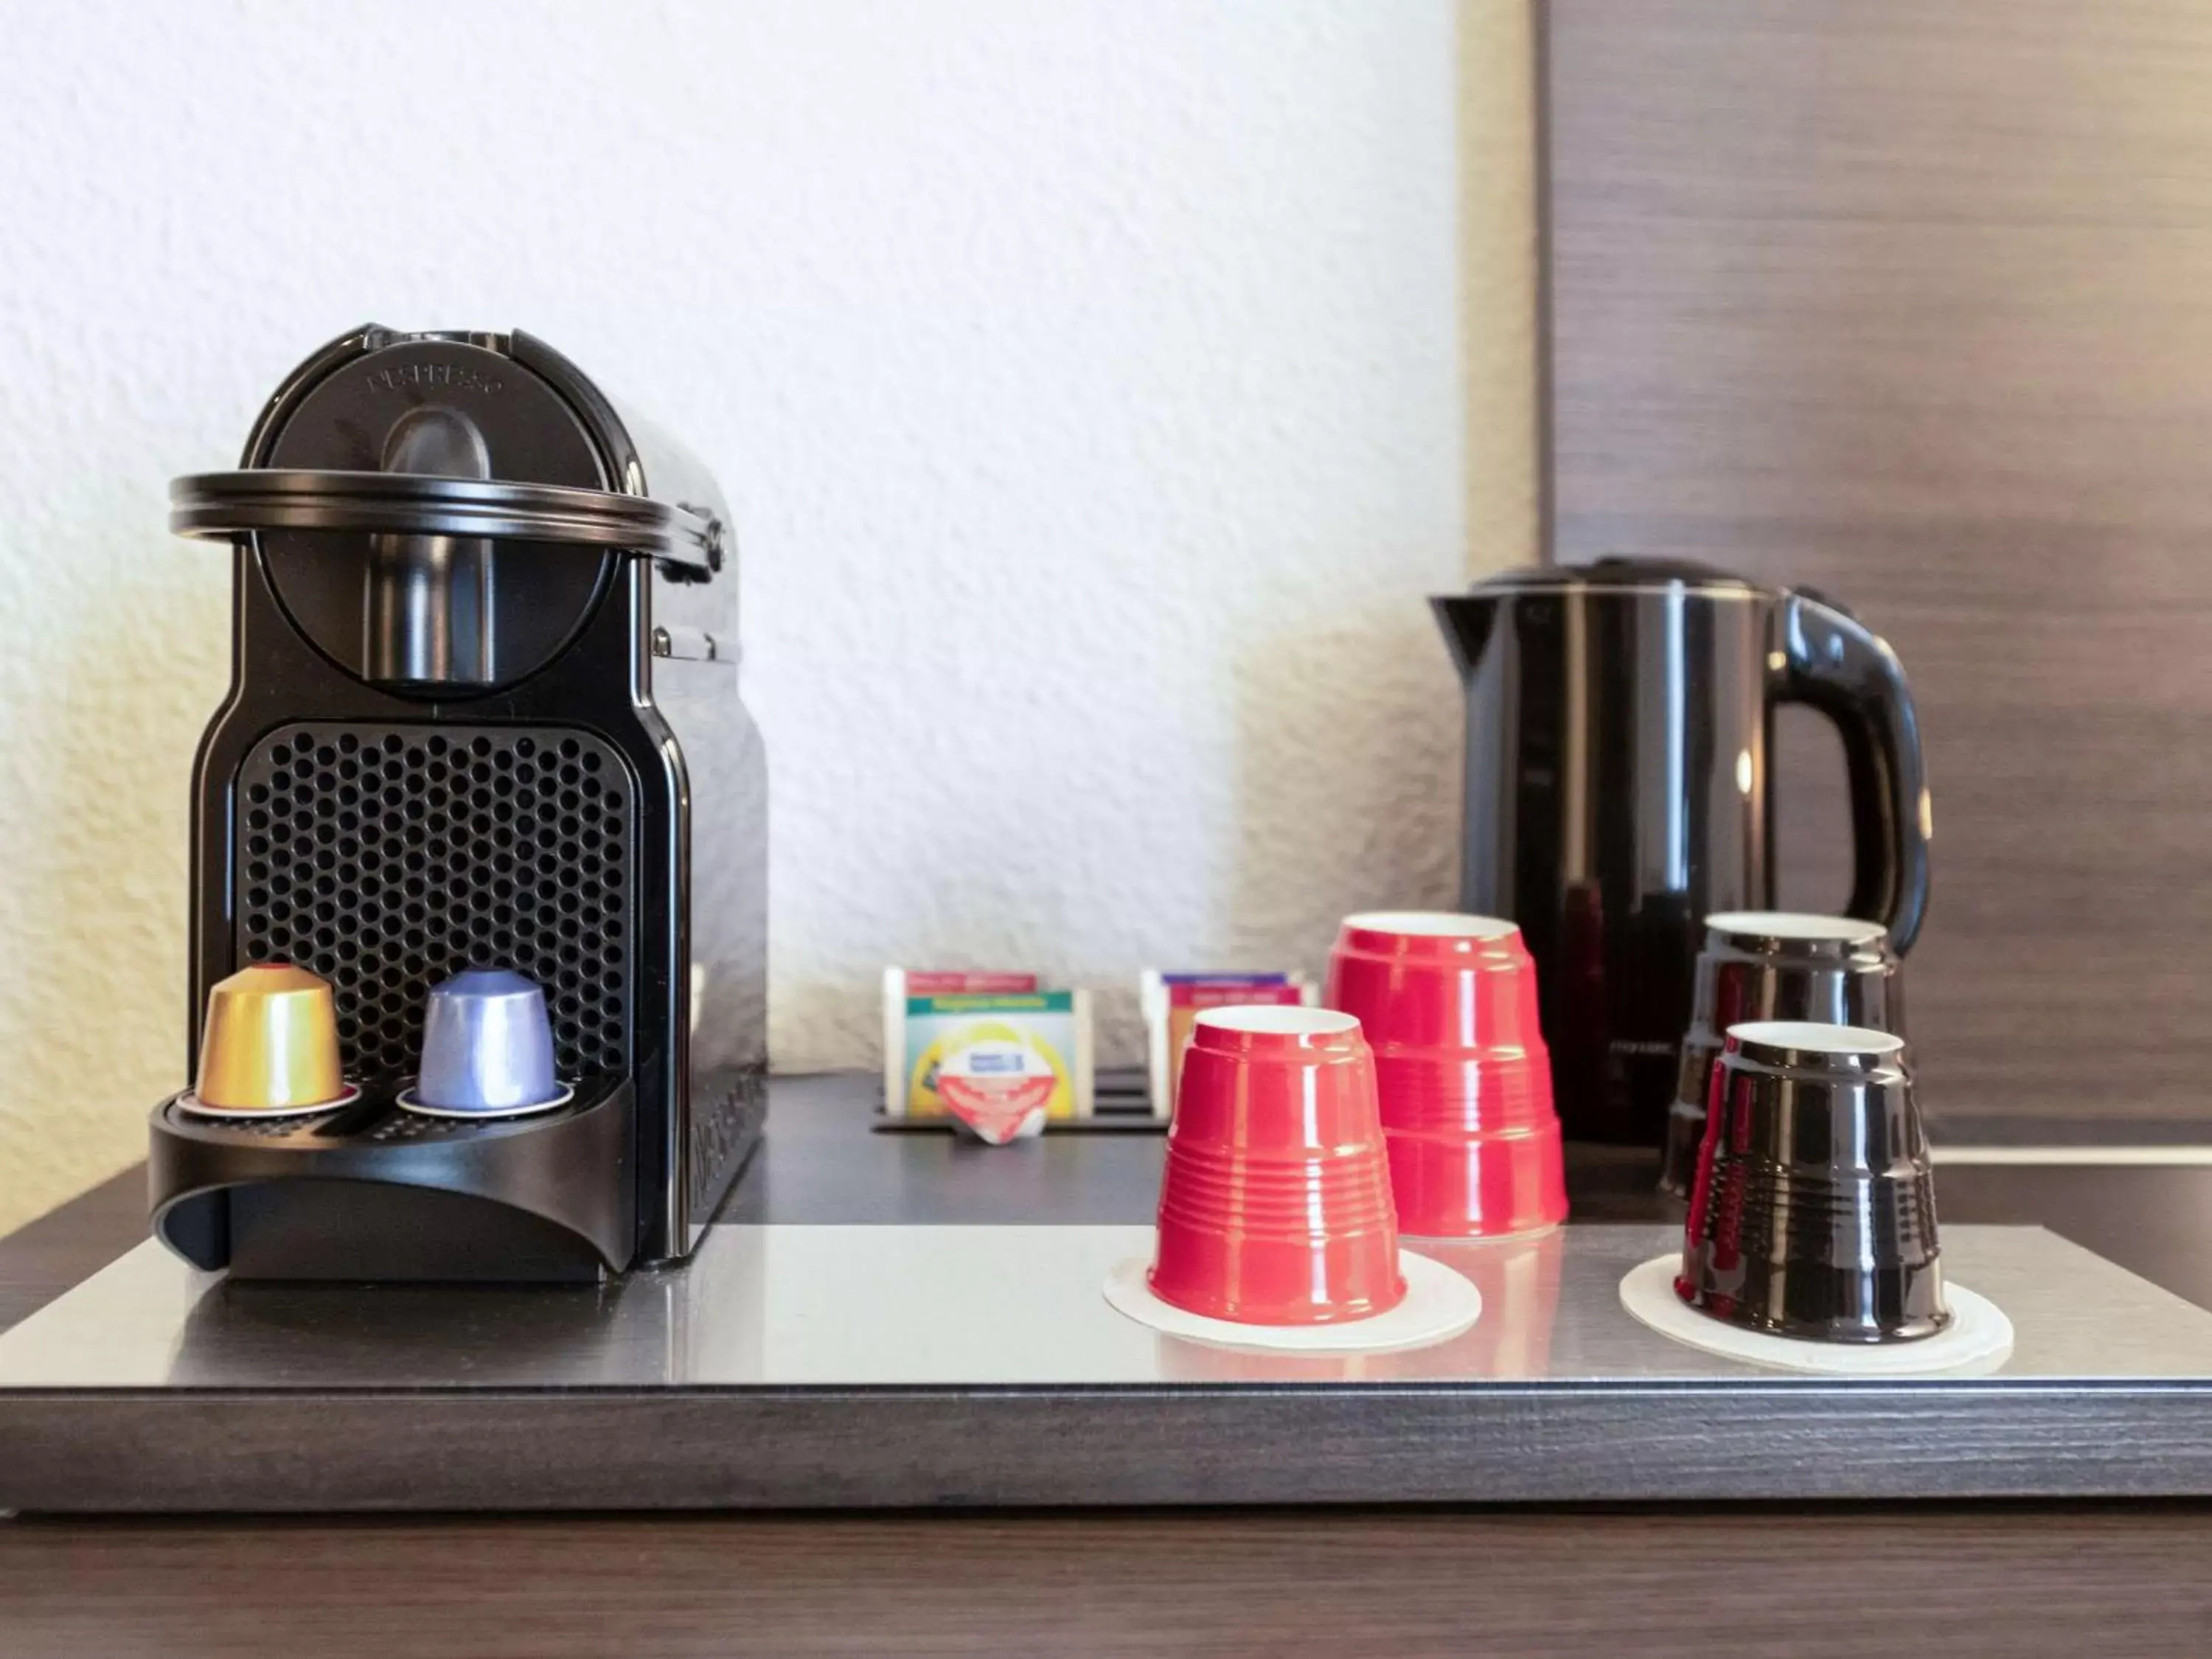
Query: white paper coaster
(1978, 1336)
(1439, 1304)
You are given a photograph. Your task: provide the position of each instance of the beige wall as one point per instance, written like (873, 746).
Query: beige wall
(1147, 283)
(1498, 280)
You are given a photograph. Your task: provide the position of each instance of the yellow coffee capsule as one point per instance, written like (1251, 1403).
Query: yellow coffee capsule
(270, 1041)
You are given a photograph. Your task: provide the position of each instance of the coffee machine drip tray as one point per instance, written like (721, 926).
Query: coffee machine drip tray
(369, 1190)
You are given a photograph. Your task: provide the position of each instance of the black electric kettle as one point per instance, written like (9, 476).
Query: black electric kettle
(1620, 739)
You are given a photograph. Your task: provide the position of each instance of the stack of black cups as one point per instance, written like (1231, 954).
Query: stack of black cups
(1798, 1139)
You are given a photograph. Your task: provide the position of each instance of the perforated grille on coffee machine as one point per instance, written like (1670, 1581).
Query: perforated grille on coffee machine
(385, 858)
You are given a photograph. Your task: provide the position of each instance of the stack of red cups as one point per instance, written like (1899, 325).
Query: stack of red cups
(1448, 1005)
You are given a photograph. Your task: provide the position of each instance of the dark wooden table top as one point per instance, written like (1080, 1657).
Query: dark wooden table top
(1712, 1585)
(1982, 1579)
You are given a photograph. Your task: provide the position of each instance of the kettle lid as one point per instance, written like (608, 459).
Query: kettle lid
(1616, 574)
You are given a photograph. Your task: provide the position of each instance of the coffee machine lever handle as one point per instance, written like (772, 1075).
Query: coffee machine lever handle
(1829, 660)
(215, 506)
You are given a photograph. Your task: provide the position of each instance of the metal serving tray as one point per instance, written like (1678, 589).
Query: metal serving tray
(812, 1357)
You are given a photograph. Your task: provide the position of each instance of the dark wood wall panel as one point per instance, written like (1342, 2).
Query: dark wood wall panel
(1913, 302)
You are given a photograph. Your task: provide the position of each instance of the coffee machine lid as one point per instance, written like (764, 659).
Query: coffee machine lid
(1614, 573)
(522, 447)
(439, 513)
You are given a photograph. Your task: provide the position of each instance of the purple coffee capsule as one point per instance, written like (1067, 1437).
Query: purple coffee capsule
(487, 1048)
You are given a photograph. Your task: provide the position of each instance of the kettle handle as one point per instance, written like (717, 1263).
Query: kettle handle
(1827, 659)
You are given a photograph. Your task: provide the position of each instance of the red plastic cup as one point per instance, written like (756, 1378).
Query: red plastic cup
(1448, 1003)
(1275, 1208)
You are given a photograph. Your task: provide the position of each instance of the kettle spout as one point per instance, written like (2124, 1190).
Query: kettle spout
(1467, 620)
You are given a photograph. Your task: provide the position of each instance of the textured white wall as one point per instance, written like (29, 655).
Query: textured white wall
(1087, 378)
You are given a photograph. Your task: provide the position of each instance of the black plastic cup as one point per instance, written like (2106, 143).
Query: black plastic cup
(1813, 1210)
(1774, 964)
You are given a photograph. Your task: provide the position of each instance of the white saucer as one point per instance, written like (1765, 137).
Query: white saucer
(407, 1102)
(1979, 1335)
(190, 1103)
(1439, 1304)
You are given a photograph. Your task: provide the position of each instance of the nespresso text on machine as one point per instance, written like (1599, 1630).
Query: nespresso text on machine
(483, 712)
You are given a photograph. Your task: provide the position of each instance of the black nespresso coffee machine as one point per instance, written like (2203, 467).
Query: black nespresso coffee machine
(483, 712)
